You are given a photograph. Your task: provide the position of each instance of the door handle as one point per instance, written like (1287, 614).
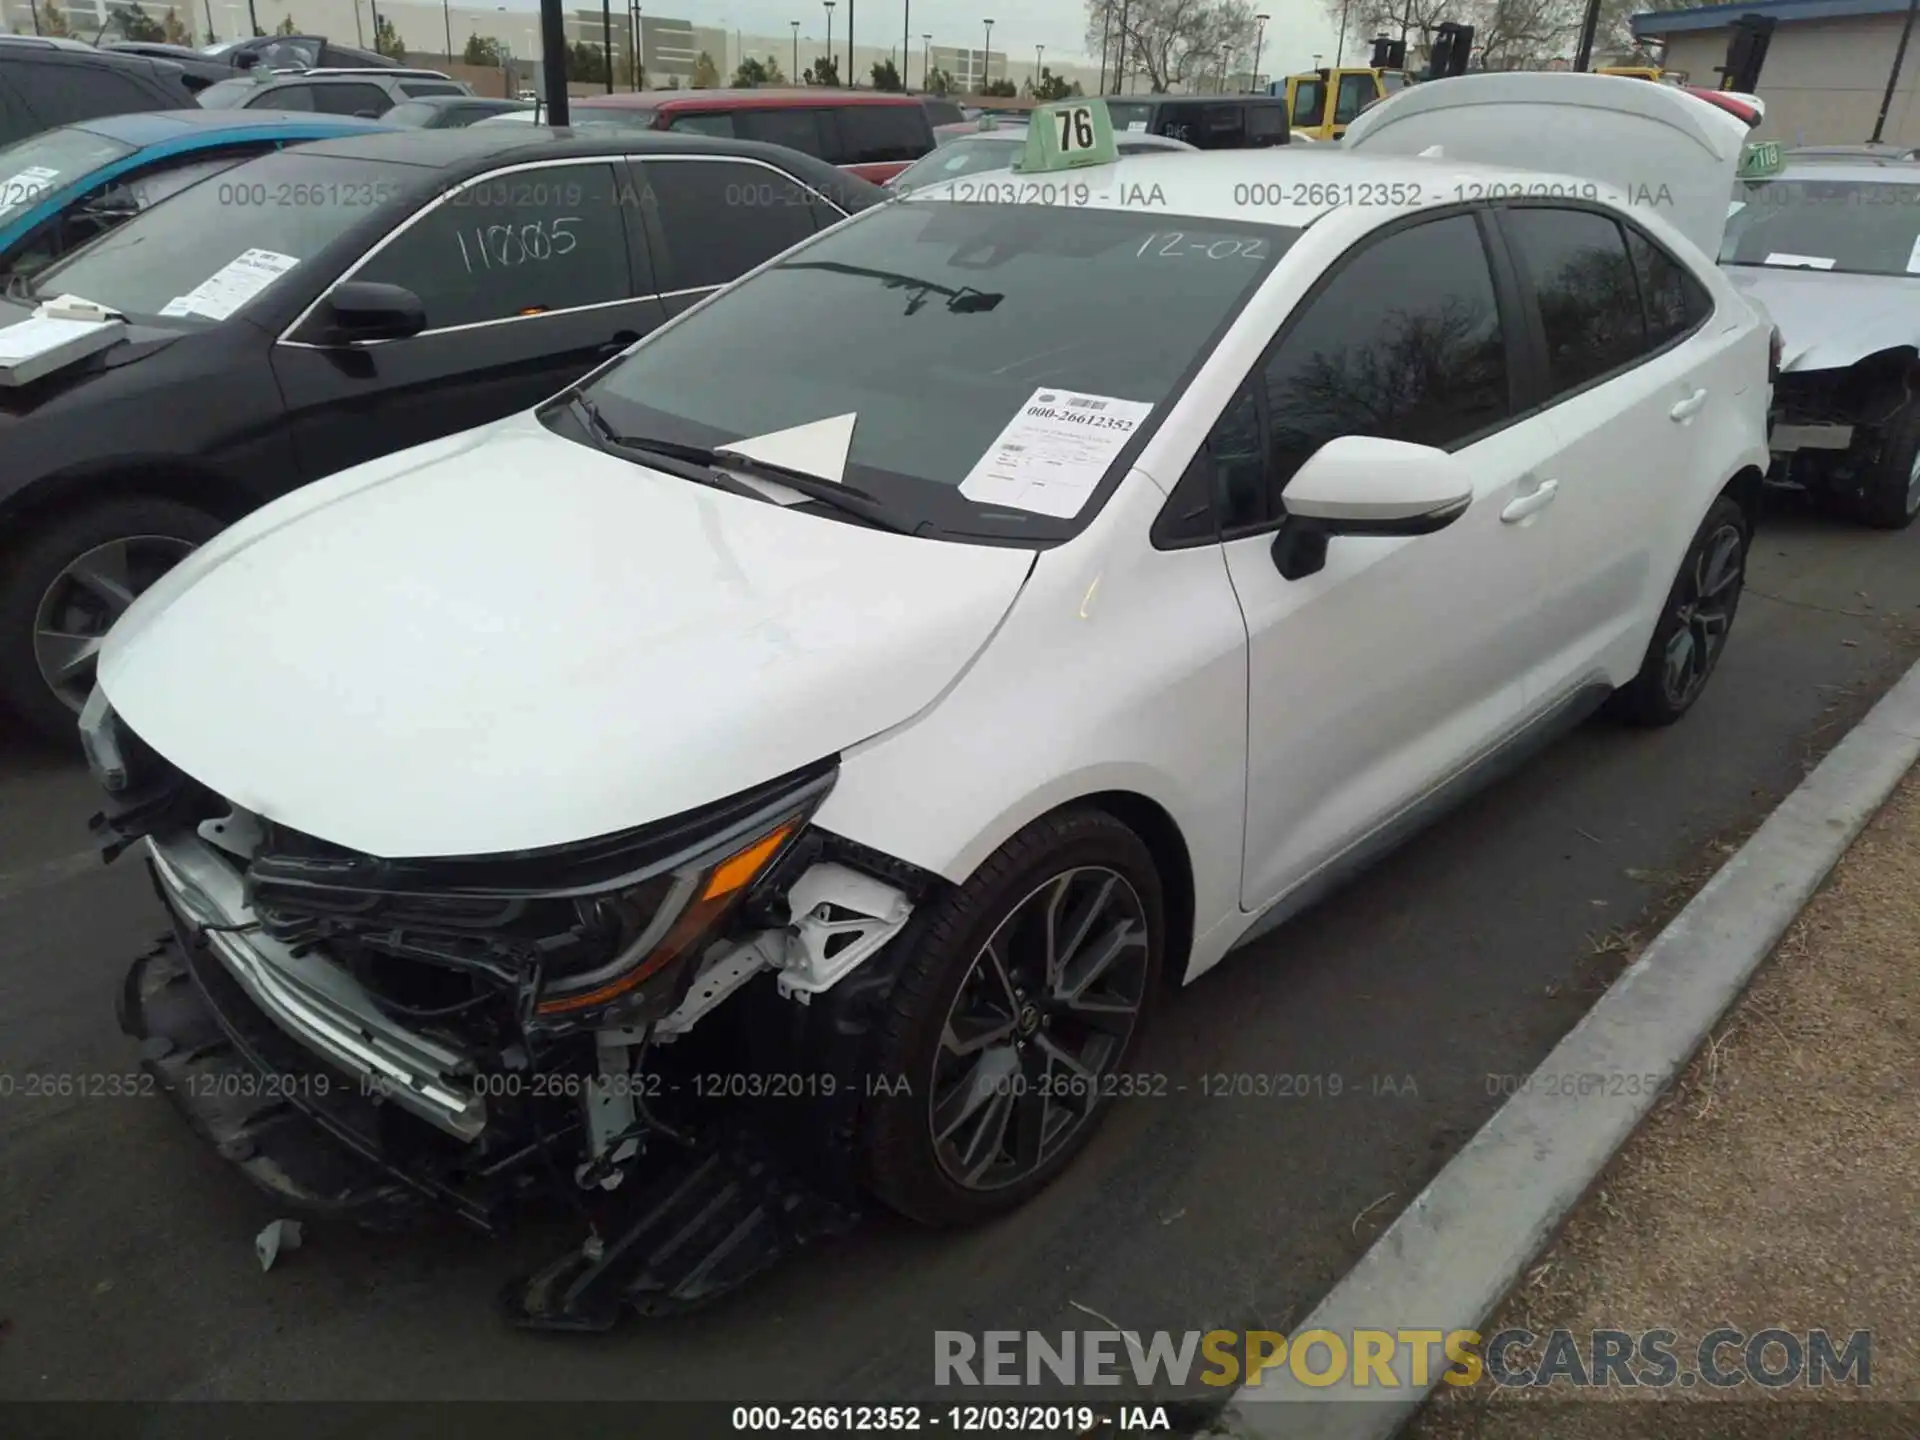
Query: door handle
(621, 342)
(1531, 503)
(1689, 407)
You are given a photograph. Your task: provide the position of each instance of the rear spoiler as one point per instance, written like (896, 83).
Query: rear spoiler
(1750, 110)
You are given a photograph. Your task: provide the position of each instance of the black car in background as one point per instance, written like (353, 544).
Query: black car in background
(1207, 122)
(44, 83)
(331, 303)
(197, 70)
(303, 52)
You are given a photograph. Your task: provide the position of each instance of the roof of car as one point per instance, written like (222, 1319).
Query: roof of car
(1862, 171)
(155, 127)
(742, 99)
(477, 147)
(1204, 184)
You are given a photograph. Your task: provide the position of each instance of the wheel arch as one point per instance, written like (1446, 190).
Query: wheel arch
(132, 477)
(1160, 832)
(1745, 489)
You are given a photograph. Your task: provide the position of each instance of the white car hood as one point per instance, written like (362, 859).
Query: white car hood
(506, 640)
(1829, 321)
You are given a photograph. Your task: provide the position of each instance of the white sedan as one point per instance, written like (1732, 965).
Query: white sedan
(984, 615)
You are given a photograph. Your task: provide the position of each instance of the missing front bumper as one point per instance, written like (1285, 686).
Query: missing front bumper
(308, 1135)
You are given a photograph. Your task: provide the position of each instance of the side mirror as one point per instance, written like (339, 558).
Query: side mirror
(1363, 485)
(361, 310)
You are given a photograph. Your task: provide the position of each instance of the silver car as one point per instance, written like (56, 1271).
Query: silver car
(1831, 248)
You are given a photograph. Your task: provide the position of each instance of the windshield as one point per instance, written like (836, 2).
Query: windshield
(1859, 227)
(947, 321)
(1135, 116)
(227, 94)
(47, 163)
(219, 244)
(962, 155)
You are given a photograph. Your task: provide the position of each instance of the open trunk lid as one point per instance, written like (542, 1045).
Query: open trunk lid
(1665, 149)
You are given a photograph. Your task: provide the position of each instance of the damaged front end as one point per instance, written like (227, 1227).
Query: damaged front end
(368, 1037)
(1846, 435)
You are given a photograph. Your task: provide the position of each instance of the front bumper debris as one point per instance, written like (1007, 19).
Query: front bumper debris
(307, 1135)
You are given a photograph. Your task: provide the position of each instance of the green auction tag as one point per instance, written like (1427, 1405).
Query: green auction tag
(1761, 159)
(1067, 135)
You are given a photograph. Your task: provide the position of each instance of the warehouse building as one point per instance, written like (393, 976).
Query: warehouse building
(1826, 67)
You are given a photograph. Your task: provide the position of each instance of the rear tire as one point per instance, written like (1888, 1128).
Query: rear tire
(1694, 623)
(983, 1108)
(40, 601)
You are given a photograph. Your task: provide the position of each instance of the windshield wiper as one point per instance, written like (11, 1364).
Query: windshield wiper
(711, 467)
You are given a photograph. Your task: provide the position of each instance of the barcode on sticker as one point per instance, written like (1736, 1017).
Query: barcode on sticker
(1013, 449)
(1087, 404)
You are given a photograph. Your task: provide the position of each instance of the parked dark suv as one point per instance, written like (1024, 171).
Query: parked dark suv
(1207, 122)
(367, 93)
(44, 83)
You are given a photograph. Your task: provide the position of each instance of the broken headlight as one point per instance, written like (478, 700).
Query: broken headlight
(587, 935)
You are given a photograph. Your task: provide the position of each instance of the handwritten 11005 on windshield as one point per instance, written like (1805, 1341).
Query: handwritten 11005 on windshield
(501, 247)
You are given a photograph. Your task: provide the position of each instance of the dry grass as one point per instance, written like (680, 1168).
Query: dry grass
(1778, 1184)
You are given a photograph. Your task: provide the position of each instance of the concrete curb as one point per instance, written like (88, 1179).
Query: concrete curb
(1449, 1260)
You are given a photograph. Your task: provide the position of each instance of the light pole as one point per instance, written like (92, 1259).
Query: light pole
(926, 59)
(853, 80)
(906, 42)
(1340, 45)
(1038, 51)
(986, 60)
(633, 45)
(796, 50)
(1259, 47)
(1120, 55)
(606, 40)
(828, 6)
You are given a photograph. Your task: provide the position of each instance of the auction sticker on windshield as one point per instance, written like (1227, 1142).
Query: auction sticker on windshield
(1803, 262)
(1053, 452)
(232, 286)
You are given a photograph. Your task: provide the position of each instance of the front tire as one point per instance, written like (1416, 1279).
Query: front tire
(65, 584)
(1021, 992)
(1890, 497)
(1694, 623)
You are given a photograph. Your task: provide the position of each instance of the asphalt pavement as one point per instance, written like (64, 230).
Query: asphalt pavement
(126, 1261)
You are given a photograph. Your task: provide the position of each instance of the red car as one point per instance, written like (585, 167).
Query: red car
(874, 134)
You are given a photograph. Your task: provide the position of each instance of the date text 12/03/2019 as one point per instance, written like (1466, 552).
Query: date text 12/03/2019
(1060, 1420)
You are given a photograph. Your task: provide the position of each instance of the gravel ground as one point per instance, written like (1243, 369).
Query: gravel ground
(1778, 1185)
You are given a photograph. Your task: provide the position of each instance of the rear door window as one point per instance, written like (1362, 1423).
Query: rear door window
(795, 129)
(714, 220)
(526, 243)
(883, 134)
(352, 100)
(430, 87)
(282, 97)
(1577, 265)
(704, 122)
(1675, 301)
(1178, 122)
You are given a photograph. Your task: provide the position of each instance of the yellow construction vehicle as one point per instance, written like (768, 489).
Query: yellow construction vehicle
(1322, 103)
(1645, 72)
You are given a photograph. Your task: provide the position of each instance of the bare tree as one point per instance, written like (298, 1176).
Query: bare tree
(1172, 42)
(1508, 34)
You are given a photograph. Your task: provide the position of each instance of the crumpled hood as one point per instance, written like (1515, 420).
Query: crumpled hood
(506, 640)
(1829, 321)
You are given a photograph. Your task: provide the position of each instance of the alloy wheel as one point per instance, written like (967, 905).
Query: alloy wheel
(1047, 1006)
(84, 600)
(1704, 614)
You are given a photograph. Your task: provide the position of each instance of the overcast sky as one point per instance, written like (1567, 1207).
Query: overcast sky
(1298, 30)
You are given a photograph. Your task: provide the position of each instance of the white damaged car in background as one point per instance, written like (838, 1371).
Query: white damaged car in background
(1830, 247)
(771, 777)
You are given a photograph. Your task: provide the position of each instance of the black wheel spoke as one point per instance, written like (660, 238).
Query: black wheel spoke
(991, 1072)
